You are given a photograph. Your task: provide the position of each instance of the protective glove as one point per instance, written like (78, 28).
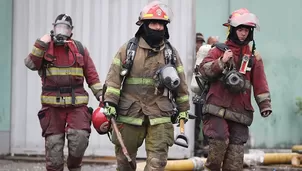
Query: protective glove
(110, 111)
(183, 115)
(266, 113)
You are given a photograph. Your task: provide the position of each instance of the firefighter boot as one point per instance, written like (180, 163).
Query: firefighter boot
(217, 149)
(233, 160)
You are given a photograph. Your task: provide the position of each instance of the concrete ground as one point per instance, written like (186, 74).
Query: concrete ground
(9, 165)
(98, 164)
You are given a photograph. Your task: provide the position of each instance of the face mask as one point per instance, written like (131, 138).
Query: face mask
(153, 37)
(62, 32)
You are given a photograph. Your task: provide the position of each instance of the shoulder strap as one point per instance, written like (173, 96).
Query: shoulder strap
(221, 46)
(80, 47)
(130, 53)
(128, 62)
(170, 56)
(131, 48)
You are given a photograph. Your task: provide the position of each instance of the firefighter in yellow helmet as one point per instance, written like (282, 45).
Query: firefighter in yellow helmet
(145, 84)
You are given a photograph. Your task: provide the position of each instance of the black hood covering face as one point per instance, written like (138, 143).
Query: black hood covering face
(152, 37)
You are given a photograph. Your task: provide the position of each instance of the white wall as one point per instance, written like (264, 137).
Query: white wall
(103, 26)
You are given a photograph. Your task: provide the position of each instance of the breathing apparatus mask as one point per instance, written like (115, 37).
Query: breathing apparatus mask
(233, 80)
(62, 30)
(167, 77)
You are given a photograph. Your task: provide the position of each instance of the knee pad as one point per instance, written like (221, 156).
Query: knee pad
(54, 145)
(157, 163)
(77, 142)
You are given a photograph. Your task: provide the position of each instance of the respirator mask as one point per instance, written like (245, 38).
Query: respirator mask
(168, 77)
(62, 31)
(234, 81)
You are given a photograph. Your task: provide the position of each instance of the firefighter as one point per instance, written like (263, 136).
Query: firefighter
(63, 64)
(233, 70)
(142, 102)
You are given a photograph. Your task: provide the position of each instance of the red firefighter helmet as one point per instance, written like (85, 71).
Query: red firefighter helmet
(155, 10)
(100, 121)
(243, 16)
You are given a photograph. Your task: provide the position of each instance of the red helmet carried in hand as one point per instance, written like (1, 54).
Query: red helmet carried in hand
(100, 121)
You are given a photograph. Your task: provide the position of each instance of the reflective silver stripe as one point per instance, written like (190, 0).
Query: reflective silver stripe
(29, 63)
(262, 97)
(208, 69)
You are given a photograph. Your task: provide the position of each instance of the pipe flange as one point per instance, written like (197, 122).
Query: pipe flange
(198, 163)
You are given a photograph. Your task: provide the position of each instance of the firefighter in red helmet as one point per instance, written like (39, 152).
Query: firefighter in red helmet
(233, 70)
(63, 64)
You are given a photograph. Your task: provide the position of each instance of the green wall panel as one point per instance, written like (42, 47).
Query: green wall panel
(6, 8)
(280, 43)
(210, 15)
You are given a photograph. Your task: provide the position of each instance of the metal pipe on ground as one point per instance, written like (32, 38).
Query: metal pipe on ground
(256, 159)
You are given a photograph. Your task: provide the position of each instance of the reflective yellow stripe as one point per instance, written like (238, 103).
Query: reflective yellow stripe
(117, 61)
(129, 120)
(64, 71)
(64, 100)
(37, 52)
(151, 15)
(182, 99)
(140, 81)
(113, 90)
(161, 120)
(180, 69)
(95, 88)
(148, 15)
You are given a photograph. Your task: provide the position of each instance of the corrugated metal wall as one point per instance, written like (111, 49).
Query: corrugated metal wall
(103, 26)
(279, 43)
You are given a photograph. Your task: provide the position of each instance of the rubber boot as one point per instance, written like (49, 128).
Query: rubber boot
(217, 149)
(233, 160)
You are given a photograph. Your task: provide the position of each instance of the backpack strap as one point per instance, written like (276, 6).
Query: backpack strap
(130, 52)
(169, 54)
(221, 46)
(80, 47)
(128, 62)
